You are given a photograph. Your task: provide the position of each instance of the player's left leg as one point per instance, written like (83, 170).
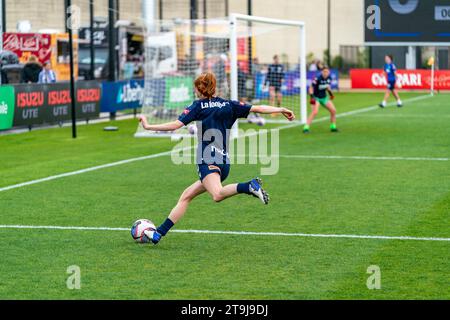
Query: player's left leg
(177, 212)
(315, 111)
(332, 109)
(272, 94)
(279, 98)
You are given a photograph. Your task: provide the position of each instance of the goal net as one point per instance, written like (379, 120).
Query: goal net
(268, 64)
(238, 50)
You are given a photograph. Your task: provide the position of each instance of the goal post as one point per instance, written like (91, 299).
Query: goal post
(236, 21)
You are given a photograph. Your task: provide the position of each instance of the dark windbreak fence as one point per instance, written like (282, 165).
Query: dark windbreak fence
(27, 105)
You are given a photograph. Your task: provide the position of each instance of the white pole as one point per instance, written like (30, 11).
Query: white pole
(234, 68)
(149, 14)
(432, 78)
(303, 80)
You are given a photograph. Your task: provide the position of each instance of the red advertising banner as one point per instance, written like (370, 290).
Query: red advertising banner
(26, 44)
(406, 79)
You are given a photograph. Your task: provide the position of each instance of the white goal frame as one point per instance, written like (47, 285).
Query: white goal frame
(234, 18)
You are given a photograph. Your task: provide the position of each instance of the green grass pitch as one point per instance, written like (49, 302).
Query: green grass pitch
(378, 196)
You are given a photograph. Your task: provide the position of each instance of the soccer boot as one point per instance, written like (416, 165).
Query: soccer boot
(152, 236)
(257, 190)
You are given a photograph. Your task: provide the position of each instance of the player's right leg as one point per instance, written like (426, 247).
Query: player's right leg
(279, 97)
(385, 99)
(396, 95)
(213, 184)
(314, 112)
(177, 212)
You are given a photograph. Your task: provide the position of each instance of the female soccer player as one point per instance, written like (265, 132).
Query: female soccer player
(318, 91)
(390, 70)
(215, 117)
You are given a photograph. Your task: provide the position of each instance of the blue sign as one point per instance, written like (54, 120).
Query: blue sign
(131, 94)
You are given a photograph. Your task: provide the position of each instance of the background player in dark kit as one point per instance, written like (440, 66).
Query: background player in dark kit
(321, 95)
(274, 79)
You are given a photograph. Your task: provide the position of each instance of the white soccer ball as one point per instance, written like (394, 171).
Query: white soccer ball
(261, 121)
(138, 228)
(192, 129)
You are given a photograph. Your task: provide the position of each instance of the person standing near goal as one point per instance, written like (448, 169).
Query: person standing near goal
(274, 80)
(216, 116)
(321, 95)
(390, 69)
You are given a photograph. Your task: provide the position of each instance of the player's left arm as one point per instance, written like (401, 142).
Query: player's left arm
(169, 126)
(270, 110)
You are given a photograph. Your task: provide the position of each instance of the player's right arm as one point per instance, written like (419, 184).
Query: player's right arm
(169, 126)
(268, 76)
(386, 70)
(189, 115)
(311, 92)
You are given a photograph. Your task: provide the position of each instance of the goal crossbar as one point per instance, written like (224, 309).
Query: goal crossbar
(239, 16)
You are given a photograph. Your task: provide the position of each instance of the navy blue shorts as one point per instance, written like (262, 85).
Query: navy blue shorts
(276, 87)
(206, 169)
(391, 85)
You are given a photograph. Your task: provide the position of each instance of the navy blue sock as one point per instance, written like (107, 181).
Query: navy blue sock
(243, 188)
(165, 227)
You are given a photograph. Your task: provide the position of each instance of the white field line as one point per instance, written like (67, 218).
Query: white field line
(361, 158)
(157, 155)
(73, 173)
(325, 157)
(238, 233)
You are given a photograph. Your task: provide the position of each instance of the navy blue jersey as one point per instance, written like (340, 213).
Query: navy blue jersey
(275, 75)
(215, 118)
(320, 86)
(390, 70)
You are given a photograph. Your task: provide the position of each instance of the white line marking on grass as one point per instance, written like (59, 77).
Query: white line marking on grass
(363, 158)
(157, 155)
(238, 233)
(73, 173)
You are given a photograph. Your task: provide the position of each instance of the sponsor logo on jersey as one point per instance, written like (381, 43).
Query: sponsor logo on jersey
(186, 111)
(213, 104)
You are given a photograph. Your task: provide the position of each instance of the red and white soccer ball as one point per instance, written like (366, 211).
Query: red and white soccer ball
(138, 228)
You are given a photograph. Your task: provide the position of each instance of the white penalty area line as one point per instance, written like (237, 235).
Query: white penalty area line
(162, 154)
(238, 233)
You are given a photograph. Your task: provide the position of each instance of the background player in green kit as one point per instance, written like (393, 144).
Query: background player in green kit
(321, 95)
